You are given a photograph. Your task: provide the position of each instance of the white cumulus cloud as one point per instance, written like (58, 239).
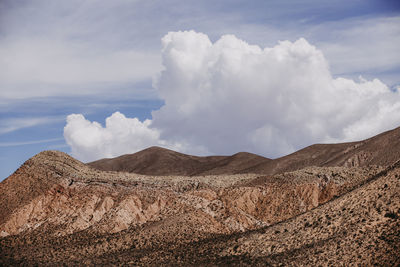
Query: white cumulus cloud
(121, 135)
(230, 96)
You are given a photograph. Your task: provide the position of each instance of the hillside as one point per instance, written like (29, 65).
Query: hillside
(311, 216)
(330, 207)
(381, 150)
(161, 161)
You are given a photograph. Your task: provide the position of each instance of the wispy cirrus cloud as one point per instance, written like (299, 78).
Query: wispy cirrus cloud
(23, 143)
(91, 47)
(40, 68)
(367, 45)
(9, 125)
(70, 49)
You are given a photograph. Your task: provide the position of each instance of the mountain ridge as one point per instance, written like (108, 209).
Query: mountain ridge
(56, 210)
(382, 150)
(162, 161)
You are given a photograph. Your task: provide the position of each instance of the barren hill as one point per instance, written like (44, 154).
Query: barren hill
(381, 150)
(55, 210)
(161, 161)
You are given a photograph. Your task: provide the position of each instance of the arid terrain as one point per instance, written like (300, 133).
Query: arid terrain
(330, 204)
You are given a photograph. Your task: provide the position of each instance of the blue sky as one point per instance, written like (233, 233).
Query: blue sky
(98, 57)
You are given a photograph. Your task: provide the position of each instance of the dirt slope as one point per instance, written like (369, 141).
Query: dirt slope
(52, 188)
(323, 205)
(91, 217)
(161, 161)
(361, 227)
(382, 150)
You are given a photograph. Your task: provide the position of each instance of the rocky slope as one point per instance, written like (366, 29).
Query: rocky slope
(74, 214)
(358, 228)
(54, 189)
(56, 210)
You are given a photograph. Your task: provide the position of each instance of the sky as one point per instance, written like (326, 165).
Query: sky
(99, 79)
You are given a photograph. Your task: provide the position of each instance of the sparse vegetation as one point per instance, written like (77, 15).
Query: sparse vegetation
(61, 212)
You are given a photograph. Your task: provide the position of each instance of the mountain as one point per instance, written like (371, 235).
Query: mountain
(381, 150)
(161, 161)
(332, 207)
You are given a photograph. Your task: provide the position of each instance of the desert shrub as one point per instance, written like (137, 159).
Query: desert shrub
(391, 215)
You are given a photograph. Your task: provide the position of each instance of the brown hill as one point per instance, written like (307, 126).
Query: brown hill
(35, 178)
(55, 210)
(161, 161)
(319, 215)
(381, 150)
